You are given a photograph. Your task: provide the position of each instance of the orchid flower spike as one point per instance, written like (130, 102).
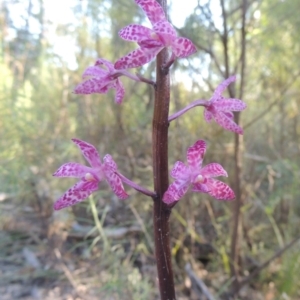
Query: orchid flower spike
(152, 41)
(201, 179)
(90, 177)
(99, 80)
(220, 108)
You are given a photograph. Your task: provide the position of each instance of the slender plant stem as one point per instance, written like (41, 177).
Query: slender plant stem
(161, 212)
(98, 224)
(187, 108)
(136, 186)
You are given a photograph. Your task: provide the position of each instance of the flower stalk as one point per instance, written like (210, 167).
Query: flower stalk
(136, 186)
(161, 211)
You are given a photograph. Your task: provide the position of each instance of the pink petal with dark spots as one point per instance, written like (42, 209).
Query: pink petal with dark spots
(72, 169)
(228, 114)
(136, 58)
(179, 170)
(151, 43)
(183, 47)
(89, 152)
(120, 91)
(213, 170)
(152, 9)
(109, 163)
(109, 169)
(94, 72)
(136, 33)
(176, 191)
(227, 123)
(93, 85)
(208, 116)
(106, 63)
(115, 183)
(166, 32)
(195, 154)
(80, 191)
(230, 104)
(220, 190)
(222, 87)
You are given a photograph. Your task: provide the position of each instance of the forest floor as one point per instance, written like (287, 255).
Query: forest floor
(49, 256)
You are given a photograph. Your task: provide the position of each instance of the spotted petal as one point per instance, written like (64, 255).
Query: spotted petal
(116, 185)
(230, 104)
(109, 163)
(89, 152)
(228, 114)
(137, 58)
(213, 170)
(166, 32)
(80, 191)
(72, 169)
(176, 191)
(228, 123)
(93, 85)
(220, 190)
(94, 71)
(152, 9)
(136, 33)
(195, 154)
(183, 47)
(120, 91)
(180, 170)
(106, 63)
(208, 116)
(222, 87)
(110, 168)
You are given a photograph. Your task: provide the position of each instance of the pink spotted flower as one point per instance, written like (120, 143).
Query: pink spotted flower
(101, 77)
(220, 108)
(152, 41)
(90, 177)
(201, 179)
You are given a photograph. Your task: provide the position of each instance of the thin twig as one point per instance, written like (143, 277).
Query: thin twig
(267, 262)
(199, 283)
(67, 273)
(268, 109)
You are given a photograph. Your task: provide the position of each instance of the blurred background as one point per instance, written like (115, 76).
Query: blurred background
(103, 248)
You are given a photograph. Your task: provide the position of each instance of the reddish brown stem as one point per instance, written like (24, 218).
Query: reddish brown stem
(161, 212)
